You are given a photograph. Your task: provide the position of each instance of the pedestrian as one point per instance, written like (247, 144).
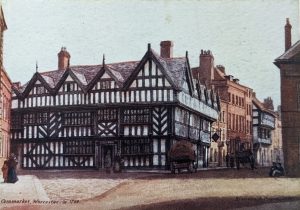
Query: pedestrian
(5, 171)
(108, 162)
(12, 164)
(231, 159)
(227, 160)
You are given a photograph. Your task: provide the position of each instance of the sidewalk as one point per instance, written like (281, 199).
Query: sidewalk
(27, 190)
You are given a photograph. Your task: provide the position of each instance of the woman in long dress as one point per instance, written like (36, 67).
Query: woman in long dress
(5, 170)
(12, 164)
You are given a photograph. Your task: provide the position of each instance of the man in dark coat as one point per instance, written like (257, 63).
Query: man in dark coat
(12, 164)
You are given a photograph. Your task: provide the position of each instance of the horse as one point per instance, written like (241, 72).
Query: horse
(244, 157)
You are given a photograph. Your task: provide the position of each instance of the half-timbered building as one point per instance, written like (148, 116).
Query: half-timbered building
(86, 116)
(263, 132)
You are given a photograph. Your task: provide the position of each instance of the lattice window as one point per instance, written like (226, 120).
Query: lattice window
(42, 118)
(205, 125)
(77, 118)
(136, 146)
(107, 114)
(29, 119)
(79, 147)
(17, 122)
(105, 84)
(136, 116)
(40, 90)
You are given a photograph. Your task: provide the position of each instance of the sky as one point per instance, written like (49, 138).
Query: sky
(245, 36)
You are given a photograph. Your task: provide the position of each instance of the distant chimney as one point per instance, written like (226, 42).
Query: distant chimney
(207, 65)
(166, 49)
(63, 59)
(288, 35)
(17, 84)
(268, 103)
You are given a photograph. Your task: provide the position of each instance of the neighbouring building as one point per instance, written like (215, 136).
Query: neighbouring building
(234, 126)
(289, 65)
(277, 142)
(5, 97)
(85, 116)
(264, 128)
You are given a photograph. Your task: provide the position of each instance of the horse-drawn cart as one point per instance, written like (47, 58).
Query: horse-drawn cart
(243, 157)
(182, 156)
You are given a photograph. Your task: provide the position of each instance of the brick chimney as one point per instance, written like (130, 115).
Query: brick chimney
(288, 35)
(166, 49)
(63, 59)
(268, 103)
(206, 66)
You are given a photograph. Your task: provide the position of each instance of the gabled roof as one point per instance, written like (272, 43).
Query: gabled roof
(121, 71)
(261, 106)
(52, 77)
(175, 70)
(293, 53)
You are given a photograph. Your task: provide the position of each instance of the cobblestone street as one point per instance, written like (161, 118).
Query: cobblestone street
(81, 185)
(209, 189)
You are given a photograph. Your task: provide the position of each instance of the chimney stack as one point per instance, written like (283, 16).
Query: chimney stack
(166, 49)
(207, 65)
(268, 103)
(288, 35)
(63, 59)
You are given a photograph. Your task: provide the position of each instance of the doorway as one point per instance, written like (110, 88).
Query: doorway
(105, 155)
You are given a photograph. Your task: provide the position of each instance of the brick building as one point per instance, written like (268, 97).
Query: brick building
(235, 121)
(5, 97)
(289, 65)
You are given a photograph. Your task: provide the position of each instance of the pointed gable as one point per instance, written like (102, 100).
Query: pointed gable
(30, 87)
(292, 54)
(105, 80)
(179, 72)
(150, 75)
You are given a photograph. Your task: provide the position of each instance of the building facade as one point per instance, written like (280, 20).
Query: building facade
(5, 97)
(234, 125)
(86, 116)
(264, 125)
(289, 65)
(277, 142)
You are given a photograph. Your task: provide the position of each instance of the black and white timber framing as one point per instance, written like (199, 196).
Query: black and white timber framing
(78, 117)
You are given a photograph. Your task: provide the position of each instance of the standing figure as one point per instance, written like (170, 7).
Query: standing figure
(12, 164)
(5, 170)
(227, 160)
(118, 164)
(107, 162)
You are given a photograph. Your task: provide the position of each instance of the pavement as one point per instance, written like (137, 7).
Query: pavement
(27, 190)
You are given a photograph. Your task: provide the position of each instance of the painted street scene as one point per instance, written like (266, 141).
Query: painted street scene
(149, 105)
